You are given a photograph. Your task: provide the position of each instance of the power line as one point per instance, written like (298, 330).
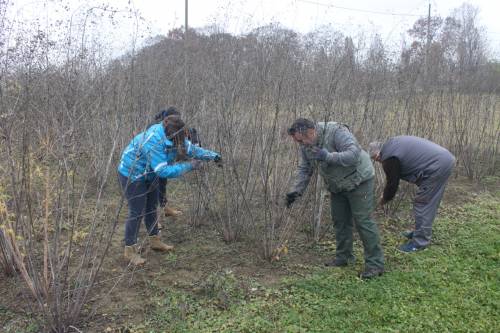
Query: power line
(357, 9)
(401, 20)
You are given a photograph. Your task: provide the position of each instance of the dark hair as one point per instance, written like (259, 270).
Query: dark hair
(300, 125)
(170, 111)
(174, 130)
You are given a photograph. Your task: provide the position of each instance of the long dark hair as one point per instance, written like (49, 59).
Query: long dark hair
(171, 111)
(174, 130)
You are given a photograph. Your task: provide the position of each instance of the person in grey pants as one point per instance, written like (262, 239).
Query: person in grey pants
(421, 162)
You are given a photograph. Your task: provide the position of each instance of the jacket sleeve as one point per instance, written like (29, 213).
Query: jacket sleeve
(166, 170)
(392, 169)
(161, 165)
(199, 153)
(303, 174)
(347, 146)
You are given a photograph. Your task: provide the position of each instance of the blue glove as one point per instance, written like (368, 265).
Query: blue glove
(318, 153)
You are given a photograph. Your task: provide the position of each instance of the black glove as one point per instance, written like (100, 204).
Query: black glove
(319, 153)
(290, 198)
(218, 161)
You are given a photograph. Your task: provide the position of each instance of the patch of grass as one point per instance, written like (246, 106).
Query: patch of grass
(453, 286)
(10, 323)
(223, 288)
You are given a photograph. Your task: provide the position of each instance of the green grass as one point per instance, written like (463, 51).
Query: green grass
(453, 286)
(10, 322)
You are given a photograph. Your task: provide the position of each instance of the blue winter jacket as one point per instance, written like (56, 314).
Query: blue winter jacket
(152, 154)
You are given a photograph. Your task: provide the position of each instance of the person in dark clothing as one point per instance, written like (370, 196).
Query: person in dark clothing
(421, 162)
(192, 135)
(162, 182)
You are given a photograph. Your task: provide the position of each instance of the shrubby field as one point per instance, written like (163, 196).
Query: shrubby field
(243, 262)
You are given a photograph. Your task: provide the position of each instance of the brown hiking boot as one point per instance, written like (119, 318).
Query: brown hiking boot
(172, 212)
(132, 256)
(157, 245)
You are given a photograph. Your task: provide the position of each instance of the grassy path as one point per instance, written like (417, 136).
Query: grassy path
(453, 286)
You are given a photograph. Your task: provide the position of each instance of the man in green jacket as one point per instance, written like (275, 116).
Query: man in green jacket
(349, 176)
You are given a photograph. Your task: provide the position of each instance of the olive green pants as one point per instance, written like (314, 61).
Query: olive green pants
(356, 206)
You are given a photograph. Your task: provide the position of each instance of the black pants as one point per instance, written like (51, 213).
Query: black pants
(142, 198)
(162, 191)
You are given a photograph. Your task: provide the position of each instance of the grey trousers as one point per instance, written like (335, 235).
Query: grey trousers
(426, 203)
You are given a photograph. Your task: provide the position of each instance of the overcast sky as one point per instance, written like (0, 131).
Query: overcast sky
(389, 18)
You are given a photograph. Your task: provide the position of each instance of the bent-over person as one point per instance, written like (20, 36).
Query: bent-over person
(349, 176)
(420, 162)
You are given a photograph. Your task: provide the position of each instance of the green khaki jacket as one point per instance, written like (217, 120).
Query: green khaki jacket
(346, 165)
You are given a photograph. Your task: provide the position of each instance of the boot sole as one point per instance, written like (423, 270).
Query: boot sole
(371, 277)
(129, 262)
(334, 265)
(162, 250)
(406, 252)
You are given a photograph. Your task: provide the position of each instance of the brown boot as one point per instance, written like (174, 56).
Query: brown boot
(158, 245)
(132, 256)
(172, 212)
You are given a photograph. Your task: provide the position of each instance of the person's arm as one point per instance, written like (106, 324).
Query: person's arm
(392, 168)
(303, 174)
(200, 153)
(347, 147)
(166, 170)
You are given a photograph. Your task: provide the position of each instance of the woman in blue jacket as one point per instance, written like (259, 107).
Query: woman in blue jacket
(159, 152)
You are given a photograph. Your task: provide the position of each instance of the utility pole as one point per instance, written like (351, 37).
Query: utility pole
(184, 100)
(426, 69)
(186, 15)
